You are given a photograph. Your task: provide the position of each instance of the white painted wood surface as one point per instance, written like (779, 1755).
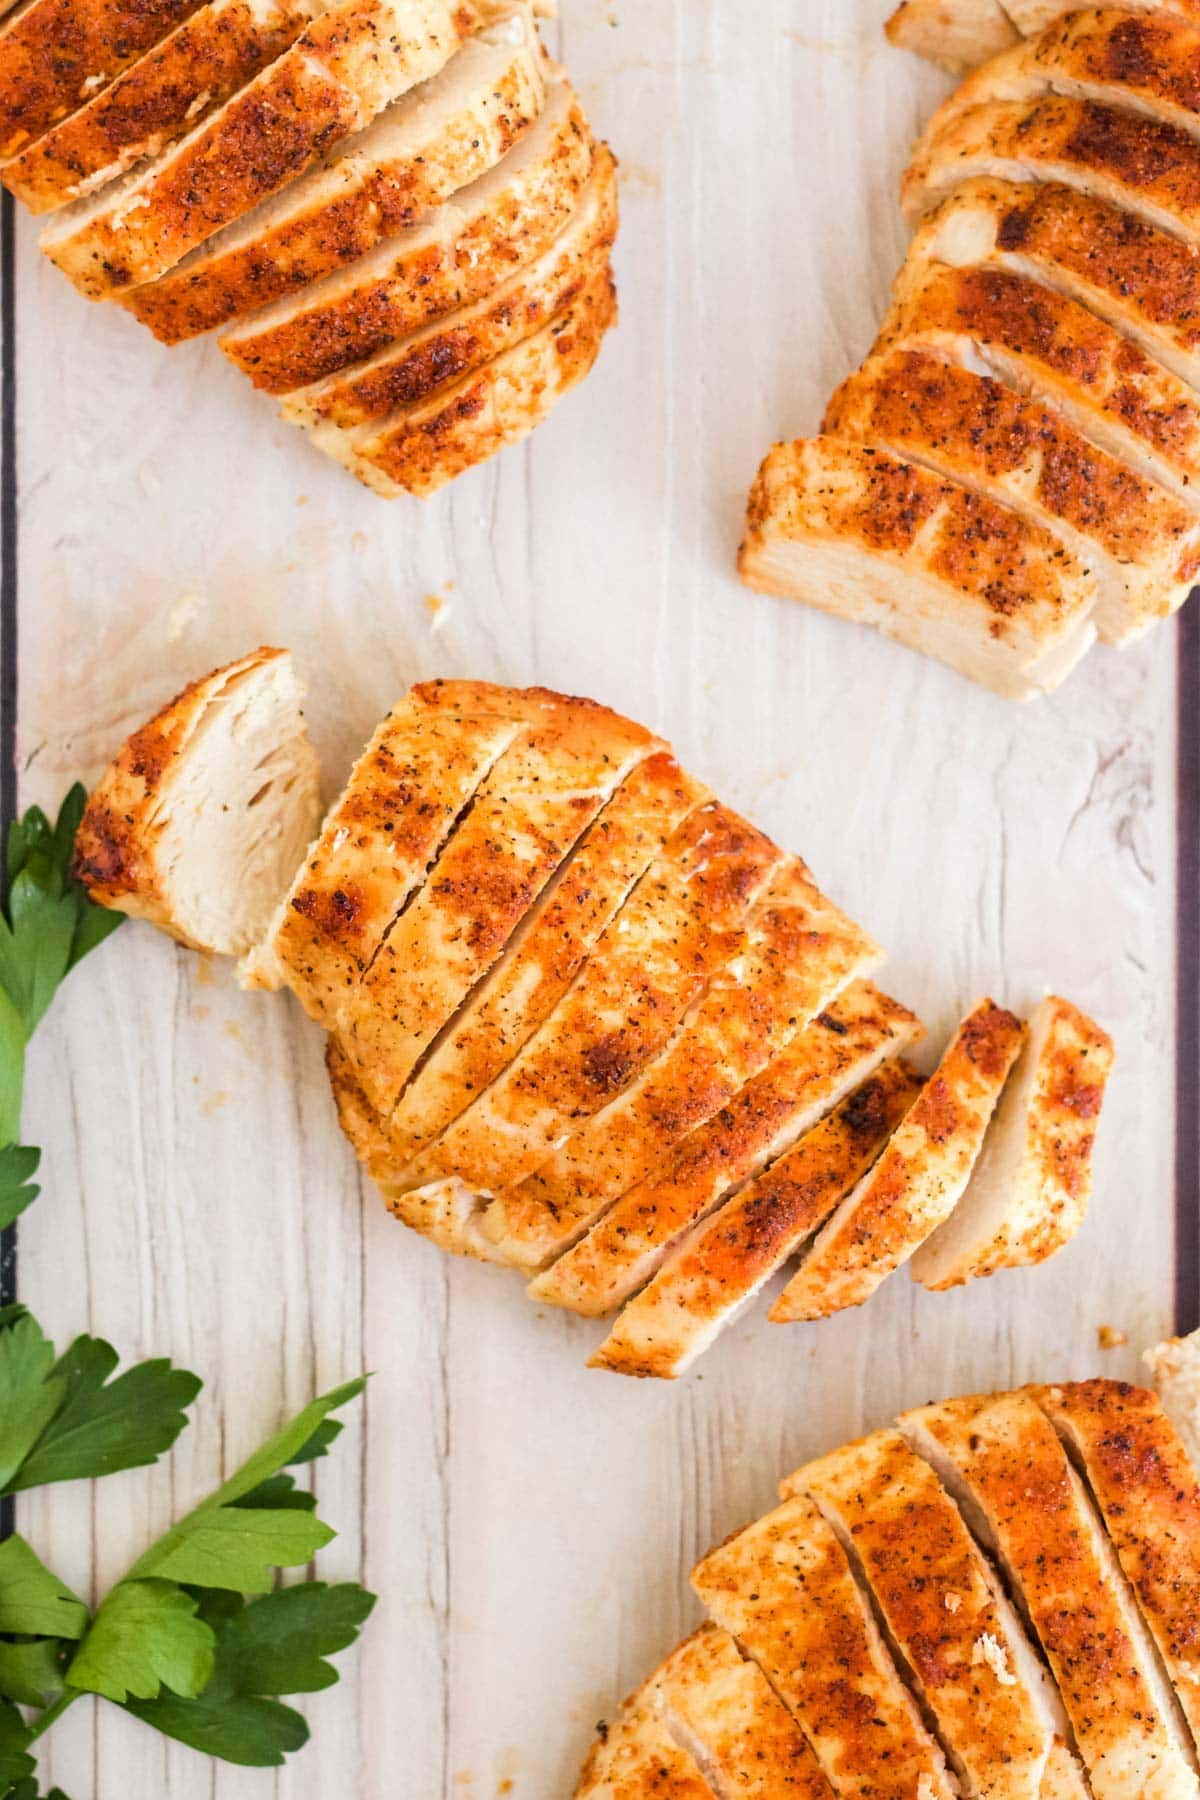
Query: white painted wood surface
(528, 1524)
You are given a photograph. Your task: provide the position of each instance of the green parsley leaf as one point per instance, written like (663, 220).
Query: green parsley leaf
(278, 1491)
(145, 1636)
(28, 1790)
(15, 1764)
(293, 1444)
(18, 1163)
(33, 1602)
(31, 1671)
(238, 1728)
(29, 1398)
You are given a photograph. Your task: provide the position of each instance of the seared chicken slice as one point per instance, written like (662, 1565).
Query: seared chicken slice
(800, 952)
(1137, 1469)
(422, 364)
(1176, 1367)
(403, 799)
(724, 1712)
(947, 1618)
(440, 137)
(55, 53)
(841, 1047)
(785, 1590)
(728, 1258)
(883, 542)
(445, 261)
(1142, 546)
(1146, 168)
(1030, 16)
(956, 34)
(681, 924)
(918, 1180)
(538, 799)
(417, 450)
(1001, 1459)
(200, 821)
(1055, 350)
(1142, 280)
(350, 63)
(154, 102)
(637, 1758)
(1028, 1194)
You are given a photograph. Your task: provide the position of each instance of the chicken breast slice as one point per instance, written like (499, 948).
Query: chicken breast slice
(417, 450)
(1138, 1473)
(718, 1268)
(200, 822)
(1030, 16)
(1028, 1194)
(844, 1044)
(1057, 352)
(722, 1710)
(445, 261)
(404, 797)
(350, 63)
(947, 1619)
(955, 34)
(785, 1590)
(1141, 544)
(1138, 164)
(203, 62)
(637, 1758)
(683, 921)
(800, 952)
(55, 53)
(856, 532)
(1176, 1369)
(422, 364)
(433, 141)
(918, 1180)
(538, 799)
(1002, 1460)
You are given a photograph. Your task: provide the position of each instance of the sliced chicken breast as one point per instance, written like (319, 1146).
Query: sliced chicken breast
(203, 62)
(199, 823)
(637, 1758)
(1176, 1368)
(448, 260)
(1140, 279)
(404, 797)
(918, 1180)
(529, 811)
(418, 366)
(1028, 1194)
(433, 141)
(1030, 16)
(800, 952)
(417, 450)
(1137, 1470)
(1053, 349)
(956, 34)
(724, 1712)
(682, 923)
(1146, 168)
(350, 63)
(1001, 1459)
(1141, 544)
(785, 1590)
(862, 534)
(841, 1047)
(719, 1267)
(54, 54)
(948, 1621)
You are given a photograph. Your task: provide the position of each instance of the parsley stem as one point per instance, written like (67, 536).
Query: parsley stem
(44, 1721)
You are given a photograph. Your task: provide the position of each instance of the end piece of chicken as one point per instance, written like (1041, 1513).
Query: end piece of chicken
(350, 63)
(445, 261)
(637, 1758)
(1140, 543)
(416, 367)
(1028, 1194)
(786, 1591)
(956, 34)
(950, 1625)
(1002, 1460)
(1176, 1369)
(883, 542)
(203, 62)
(200, 822)
(719, 1267)
(425, 147)
(918, 1180)
(417, 450)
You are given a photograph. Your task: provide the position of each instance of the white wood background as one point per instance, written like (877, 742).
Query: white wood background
(528, 1524)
